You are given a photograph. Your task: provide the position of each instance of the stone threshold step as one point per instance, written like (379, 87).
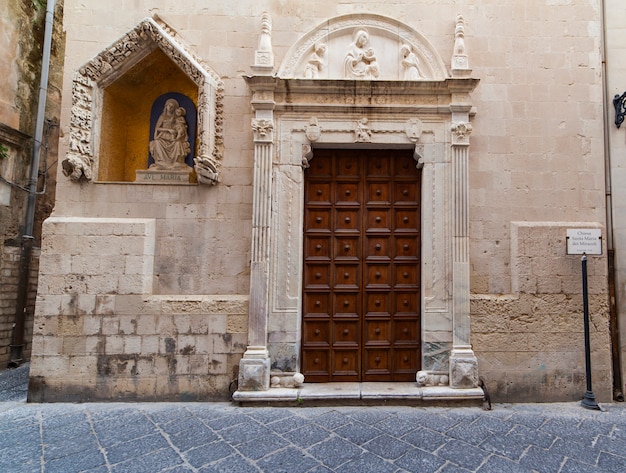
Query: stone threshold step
(361, 393)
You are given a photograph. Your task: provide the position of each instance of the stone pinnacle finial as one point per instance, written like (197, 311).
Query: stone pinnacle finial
(264, 57)
(459, 35)
(459, 63)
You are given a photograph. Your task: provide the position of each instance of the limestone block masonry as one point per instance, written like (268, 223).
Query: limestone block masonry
(100, 334)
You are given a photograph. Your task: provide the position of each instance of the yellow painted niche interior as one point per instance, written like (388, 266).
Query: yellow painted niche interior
(125, 128)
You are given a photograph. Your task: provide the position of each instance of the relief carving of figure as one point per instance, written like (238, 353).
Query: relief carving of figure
(316, 62)
(170, 145)
(360, 61)
(410, 63)
(362, 131)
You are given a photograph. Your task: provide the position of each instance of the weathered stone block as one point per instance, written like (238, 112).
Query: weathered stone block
(254, 374)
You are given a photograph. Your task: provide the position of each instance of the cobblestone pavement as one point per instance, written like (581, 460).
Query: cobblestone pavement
(221, 437)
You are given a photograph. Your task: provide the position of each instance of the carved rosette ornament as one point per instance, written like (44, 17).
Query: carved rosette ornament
(460, 133)
(263, 130)
(111, 64)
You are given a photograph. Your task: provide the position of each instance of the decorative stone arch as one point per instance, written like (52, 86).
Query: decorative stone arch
(82, 159)
(293, 117)
(389, 35)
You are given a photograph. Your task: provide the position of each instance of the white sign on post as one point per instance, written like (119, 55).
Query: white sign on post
(584, 241)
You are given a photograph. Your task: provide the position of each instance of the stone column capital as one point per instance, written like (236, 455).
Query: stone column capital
(460, 133)
(263, 130)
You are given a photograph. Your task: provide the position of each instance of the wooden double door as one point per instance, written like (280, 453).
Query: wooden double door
(361, 288)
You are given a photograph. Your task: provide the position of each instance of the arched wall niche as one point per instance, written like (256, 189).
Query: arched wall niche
(386, 38)
(146, 62)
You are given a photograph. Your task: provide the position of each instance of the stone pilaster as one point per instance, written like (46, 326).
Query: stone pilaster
(254, 367)
(463, 362)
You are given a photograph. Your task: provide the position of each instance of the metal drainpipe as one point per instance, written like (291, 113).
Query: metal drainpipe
(613, 322)
(17, 339)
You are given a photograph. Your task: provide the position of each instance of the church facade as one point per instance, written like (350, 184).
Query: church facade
(258, 199)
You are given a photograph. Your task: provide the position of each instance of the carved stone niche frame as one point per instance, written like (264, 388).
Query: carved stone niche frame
(431, 116)
(82, 159)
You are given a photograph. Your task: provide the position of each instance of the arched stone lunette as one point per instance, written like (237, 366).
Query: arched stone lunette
(81, 160)
(386, 36)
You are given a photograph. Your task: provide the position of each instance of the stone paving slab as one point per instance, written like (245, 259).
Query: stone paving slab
(222, 437)
(14, 383)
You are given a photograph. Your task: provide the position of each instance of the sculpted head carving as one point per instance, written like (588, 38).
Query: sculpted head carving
(360, 37)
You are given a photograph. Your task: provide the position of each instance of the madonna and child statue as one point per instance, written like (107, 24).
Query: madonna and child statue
(172, 128)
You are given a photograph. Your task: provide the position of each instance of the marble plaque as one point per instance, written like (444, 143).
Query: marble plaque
(162, 176)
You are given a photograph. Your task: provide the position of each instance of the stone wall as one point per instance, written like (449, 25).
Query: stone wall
(100, 335)
(530, 343)
(9, 264)
(135, 347)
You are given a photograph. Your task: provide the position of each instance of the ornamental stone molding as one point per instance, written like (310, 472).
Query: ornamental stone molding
(81, 160)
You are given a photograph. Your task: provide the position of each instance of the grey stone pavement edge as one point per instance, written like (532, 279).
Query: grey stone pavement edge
(222, 437)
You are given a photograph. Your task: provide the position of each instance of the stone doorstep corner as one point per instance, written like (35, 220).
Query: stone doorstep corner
(359, 392)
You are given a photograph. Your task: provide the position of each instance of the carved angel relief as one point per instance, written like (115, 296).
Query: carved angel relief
(315, 64)
(410, 63)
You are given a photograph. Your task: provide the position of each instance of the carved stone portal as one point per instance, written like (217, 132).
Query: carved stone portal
(366, 58)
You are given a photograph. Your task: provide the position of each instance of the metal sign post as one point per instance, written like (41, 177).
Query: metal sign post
(586, 241)
(589, 401)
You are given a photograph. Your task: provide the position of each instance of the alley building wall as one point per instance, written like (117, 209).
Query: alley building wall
(22, 24)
